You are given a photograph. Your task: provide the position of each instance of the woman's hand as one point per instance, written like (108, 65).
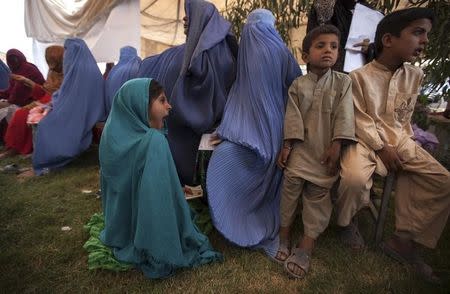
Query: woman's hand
(4, 103)
(27, 82)
(214, 139)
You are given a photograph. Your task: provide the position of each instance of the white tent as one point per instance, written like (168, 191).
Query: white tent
(162, 20)
(107, 25)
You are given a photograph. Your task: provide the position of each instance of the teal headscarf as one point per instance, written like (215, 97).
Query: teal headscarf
(147, 219)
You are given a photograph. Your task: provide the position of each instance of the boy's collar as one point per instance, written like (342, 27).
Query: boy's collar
(315, 77)
(382, 66)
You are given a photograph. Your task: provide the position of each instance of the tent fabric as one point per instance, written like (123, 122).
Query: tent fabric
(199, 94)
(58, 20)
(243, 181)
(66, 130)
(4, 75)
(126, 69)
(162, 20)
(148, 221)
(112, 29)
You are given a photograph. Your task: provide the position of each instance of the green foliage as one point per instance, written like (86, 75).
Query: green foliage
(436, 63)
(288, 13)
(291, 13)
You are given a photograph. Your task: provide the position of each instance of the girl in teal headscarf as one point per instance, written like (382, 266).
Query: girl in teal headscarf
(148, 222)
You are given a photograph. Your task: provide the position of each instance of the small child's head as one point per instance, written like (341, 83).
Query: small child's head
(403, 34)
(320, 47)
(158, 106)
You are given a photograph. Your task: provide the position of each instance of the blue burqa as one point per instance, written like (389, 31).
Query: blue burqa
(77, 106)
(164, 67)
(243, 180)
(126, 69)
(148, 222)
(4, 75)
(200, 92)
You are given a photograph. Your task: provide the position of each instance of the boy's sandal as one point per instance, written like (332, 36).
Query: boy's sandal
(283, 252)
(298, 258)
(415, 261)
(351, 237)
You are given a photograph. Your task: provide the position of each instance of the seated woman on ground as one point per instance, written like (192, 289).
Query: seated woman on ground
(18, 137)
(148, 223)
(66, 131)
(17, 95)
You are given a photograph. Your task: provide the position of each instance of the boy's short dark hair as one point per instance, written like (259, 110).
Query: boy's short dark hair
(395, 22)
(316, 32)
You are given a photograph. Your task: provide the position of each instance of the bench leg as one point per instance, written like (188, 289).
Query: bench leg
(381, 219)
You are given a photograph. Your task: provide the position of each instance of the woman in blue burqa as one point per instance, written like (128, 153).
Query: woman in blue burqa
(200, 92)
(4, 75)
(148, 222)
(66, 131)
(126, 69)
(243, 180)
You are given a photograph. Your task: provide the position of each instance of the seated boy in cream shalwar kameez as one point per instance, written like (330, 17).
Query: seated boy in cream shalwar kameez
(319, 116)
(384, 93)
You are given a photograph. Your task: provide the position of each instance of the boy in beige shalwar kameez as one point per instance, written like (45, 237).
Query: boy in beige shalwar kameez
(319, 115)
(384, 93)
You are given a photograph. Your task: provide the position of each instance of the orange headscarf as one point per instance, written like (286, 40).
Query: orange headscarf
(54, 57)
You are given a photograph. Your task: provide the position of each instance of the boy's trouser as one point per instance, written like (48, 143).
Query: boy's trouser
(422, 192)
(316, 200)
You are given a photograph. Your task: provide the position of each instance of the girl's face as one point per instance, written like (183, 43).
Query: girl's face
(158, 110)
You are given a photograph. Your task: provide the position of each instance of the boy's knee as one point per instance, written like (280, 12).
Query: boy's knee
(355, 181)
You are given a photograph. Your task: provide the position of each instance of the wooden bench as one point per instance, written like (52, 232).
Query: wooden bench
(380, 214)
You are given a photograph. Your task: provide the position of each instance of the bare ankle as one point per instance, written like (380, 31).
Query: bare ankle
(285, 233)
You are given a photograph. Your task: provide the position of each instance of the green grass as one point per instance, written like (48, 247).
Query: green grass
(36, 256)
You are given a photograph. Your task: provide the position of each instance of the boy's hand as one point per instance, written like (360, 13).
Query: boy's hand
(390, 158)
(364, 45)
(331, 158)
(283, 156)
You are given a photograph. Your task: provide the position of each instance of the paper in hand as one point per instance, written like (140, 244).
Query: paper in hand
(363, 26)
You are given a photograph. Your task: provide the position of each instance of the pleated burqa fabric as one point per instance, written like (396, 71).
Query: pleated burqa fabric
(148, 222)
(126, 69)
(243, 181)
(200, 92)
(77, 106)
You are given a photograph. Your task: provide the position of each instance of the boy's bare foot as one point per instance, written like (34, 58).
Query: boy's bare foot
(405, 251)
